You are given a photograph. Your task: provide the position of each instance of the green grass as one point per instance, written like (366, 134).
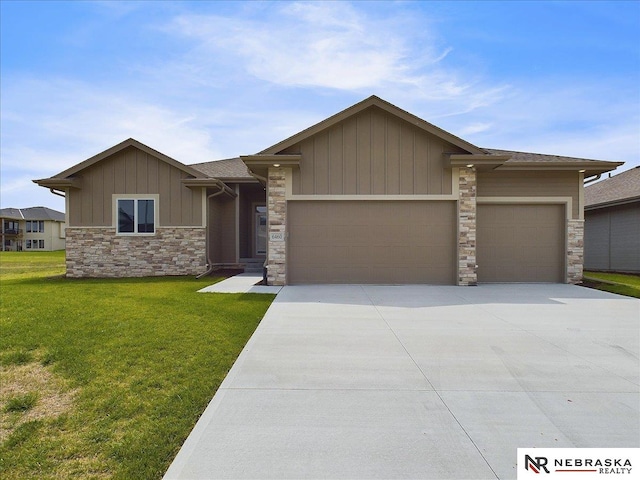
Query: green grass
(623, 284)
(123, 367)
(22, 402)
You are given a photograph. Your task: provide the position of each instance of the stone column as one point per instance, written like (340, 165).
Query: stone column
(575, 250)
(276, 227)
(467, 274)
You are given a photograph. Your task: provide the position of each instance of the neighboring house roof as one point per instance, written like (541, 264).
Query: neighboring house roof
(230, 168)
(32, 213)
(616, 190)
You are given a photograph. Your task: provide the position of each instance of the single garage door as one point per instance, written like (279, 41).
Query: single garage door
(521, 243)
(384, 242)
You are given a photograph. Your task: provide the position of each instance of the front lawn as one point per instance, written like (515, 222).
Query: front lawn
(622, 283)
(105, 378)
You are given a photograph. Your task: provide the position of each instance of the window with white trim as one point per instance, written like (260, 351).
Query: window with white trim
(136, 216)
(35, 226)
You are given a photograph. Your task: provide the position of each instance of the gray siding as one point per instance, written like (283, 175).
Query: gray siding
(372, 153)
(612, 238)
(222, 230)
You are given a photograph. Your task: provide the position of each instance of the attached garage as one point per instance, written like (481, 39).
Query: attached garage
(374, 242)
(521, 243)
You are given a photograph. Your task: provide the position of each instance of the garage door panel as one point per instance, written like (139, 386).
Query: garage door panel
(520, 243)
(372, 242)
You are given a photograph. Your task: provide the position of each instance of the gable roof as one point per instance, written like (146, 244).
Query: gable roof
(62, 179)
(32, 213)
(227, 169)
(619, 189)
(372, 101)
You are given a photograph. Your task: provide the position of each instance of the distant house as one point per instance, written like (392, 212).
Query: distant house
(612, 223)
(35, 228)
(372, 194)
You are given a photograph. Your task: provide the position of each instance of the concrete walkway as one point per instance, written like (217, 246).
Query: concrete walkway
(421, 382)
(242, 283)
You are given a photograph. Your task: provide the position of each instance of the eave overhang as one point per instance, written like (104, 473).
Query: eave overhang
(477, 161)
(589, 168)
(59, 183)
(260, 164)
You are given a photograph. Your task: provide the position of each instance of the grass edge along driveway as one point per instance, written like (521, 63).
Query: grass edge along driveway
(105, 378)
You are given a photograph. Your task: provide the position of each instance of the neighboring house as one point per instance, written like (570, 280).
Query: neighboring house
(35, 228)
(612, 223)
(372, 194)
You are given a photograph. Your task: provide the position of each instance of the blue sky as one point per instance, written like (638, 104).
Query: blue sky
(201, 80)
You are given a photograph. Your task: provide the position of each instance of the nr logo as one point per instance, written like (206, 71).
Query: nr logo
(536, 464)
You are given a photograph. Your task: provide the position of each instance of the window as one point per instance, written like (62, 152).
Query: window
(40, 243)
(136, 215)
(28, 244)
(35, 226)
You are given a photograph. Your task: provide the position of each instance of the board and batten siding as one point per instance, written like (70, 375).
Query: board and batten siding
(531, 184)
(132, 171)
(372, 153)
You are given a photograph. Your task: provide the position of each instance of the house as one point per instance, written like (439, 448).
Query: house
(372, 194)
(612, 223)
(35, 228)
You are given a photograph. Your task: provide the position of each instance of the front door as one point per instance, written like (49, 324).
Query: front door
(260, 227)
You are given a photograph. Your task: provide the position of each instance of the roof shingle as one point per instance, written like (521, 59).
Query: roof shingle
(620, 188)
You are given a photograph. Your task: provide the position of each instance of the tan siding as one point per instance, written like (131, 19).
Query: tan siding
(531, 184)
(372, 153)
(321, 164)
(349, 156)
(393, 158)
(133, 172)
(378, 158)
(363, 153)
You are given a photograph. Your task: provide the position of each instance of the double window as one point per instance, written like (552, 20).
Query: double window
(136, 215)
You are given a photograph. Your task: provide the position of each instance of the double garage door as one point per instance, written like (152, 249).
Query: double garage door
(400, 242)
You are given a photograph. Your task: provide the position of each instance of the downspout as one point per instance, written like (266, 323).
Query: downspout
(591, 180)
(223, 189)
(53, 190)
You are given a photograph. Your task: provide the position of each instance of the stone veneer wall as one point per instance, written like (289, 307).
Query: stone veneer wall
(467, 272)
(99, 252)
(575, 250)
(276, 228)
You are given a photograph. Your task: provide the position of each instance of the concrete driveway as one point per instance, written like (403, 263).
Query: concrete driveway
(421, 382)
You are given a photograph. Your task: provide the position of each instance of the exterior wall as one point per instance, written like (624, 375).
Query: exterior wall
(277, 227)
(52, 236)
(222, 230)
(532, 184)
(249, 196)
(575, 250)
(132, 171)
(372, 153)
(612, 238)
(99, 252)
(467, 215)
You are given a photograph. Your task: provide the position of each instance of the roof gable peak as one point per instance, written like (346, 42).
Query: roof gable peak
(369, 102)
